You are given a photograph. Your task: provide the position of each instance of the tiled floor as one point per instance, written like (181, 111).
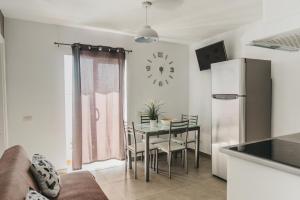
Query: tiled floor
(197, 184)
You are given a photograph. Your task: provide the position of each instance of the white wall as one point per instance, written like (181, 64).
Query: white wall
(35, 81)
(3, 116)
(278, 9)
(285, 75)
(200, 85)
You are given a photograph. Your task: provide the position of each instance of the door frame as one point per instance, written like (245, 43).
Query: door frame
(4, 96)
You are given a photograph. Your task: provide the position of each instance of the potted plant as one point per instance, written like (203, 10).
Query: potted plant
(153, 111)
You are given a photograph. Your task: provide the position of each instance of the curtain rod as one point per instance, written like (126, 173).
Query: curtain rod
(67, 44)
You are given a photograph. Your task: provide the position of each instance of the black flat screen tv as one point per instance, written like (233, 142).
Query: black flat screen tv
(211, 54)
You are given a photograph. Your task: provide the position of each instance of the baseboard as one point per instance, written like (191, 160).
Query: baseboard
(219, 178)
(205, 155)
(65, 171)
(62, 171)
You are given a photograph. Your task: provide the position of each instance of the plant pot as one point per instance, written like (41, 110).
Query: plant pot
(153, 123)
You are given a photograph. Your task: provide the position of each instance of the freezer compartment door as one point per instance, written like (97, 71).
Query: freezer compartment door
(227, 129)
(228, 77)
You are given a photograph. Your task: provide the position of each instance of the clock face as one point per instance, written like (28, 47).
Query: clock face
(160, 69)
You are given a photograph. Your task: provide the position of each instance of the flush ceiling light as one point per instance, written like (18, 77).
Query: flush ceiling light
(146, 34)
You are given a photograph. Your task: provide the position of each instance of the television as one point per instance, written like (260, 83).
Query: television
(211, 54)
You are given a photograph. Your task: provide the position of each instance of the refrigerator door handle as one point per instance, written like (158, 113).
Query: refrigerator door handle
(225, 96)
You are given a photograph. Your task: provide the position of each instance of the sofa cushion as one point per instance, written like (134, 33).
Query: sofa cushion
(46, 177)
(79, 186)
(12, 186)
(15, 175)
(36, 157)
(16, 178)
(34, 195)
(15, 159)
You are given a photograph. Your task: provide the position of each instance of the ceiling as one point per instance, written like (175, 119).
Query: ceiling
(175, 20)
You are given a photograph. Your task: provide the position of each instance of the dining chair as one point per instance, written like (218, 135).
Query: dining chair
(136, 147)
(153, 140)
(171, 147)
(180, 138)
(145, 119)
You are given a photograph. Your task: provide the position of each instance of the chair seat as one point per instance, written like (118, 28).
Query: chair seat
(181, 140)
(140, 147)
(155, 140)
(164, 146)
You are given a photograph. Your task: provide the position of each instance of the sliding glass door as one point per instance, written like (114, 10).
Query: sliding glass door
(101, 112)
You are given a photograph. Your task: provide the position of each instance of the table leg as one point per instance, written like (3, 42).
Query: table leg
(129, 153)
(197, 148)
(146, 158)
(130, 160)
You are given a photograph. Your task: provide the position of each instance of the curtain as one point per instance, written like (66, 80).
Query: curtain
(97, 105)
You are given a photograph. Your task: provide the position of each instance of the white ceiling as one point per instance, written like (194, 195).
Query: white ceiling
(176, 20)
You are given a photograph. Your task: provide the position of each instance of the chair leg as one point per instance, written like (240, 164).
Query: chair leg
(150, 159)
(169, 163)
(135, 166)
(126, 161)
(129, 156)
(153, 161)
(156, 160)
(186, 160)
(182, 158)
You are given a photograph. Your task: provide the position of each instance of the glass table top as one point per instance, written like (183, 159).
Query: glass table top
(146, 128)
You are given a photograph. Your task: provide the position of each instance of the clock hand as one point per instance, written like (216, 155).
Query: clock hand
(161, 69)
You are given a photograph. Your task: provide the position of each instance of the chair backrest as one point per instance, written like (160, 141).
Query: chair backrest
(193, 119)
(129, 131)
(179, 127)
(145, 119)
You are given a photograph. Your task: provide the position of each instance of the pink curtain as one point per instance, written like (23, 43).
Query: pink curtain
(101, 135)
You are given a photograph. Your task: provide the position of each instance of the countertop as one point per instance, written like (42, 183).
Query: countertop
(281, 153)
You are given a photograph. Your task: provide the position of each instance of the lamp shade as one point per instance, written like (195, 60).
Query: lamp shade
(146, 35)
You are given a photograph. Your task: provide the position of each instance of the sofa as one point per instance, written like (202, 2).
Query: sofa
(16, 179)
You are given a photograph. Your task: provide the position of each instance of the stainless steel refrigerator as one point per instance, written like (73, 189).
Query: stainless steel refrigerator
(241, 106)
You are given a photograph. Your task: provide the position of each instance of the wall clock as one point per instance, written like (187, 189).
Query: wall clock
(160, 69)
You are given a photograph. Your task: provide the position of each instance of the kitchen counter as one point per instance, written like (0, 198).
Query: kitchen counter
(268, 169)
(282, 153)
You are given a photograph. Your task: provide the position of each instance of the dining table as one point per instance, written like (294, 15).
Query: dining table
(148, 131)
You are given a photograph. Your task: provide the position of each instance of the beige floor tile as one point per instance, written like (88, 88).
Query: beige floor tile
(197, 184)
